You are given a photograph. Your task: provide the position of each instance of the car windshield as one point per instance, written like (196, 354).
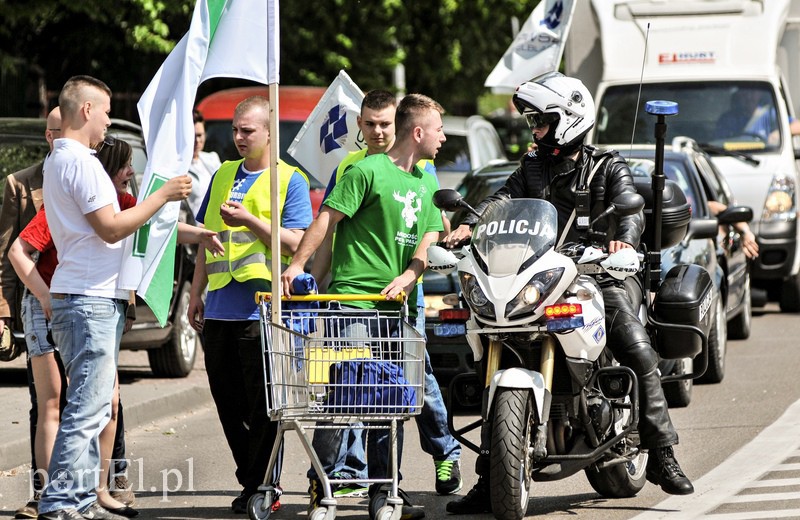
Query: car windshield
(454, 155)
(513, 232)
(732, 115)
(673, 170)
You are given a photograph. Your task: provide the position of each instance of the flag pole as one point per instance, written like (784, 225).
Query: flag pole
(275, 212)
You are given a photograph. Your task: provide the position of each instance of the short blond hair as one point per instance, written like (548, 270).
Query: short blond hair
(251, 103)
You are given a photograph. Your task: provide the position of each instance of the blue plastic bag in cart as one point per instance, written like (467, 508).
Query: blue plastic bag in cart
(302, 317)
(363, 386)
(299, 320)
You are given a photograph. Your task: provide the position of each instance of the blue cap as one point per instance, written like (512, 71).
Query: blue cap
(661, 108)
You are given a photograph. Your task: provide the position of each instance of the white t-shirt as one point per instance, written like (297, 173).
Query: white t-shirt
(76, 184)
(201, 171)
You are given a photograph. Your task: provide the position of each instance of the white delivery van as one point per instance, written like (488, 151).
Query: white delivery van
(729, 64)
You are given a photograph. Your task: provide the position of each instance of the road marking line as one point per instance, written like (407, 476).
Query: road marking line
(763, 497)
(761, 455)
(777, 482)
(753, 515)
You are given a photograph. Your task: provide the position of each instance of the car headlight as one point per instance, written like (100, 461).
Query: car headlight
(475, 296)
(537, 290)
(780, 204)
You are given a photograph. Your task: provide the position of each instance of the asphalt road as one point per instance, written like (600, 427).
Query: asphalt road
(739, 444)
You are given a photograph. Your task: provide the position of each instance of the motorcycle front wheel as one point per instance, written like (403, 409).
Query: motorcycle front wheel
(512, 430)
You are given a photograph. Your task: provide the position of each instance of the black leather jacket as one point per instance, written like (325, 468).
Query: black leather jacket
(557, 183)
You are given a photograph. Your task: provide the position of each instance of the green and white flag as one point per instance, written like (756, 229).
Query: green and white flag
(227, 38)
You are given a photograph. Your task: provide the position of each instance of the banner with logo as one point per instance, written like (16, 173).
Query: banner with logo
(537, 48)
(331, 131)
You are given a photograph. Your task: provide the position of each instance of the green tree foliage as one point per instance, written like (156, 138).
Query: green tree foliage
(122, 41)
(447, 47)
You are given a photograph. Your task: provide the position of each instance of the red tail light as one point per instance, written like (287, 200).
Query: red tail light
(454, 314)
(563, 310)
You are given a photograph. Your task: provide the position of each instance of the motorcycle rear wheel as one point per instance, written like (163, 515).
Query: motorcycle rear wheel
(512, 430)
(620, 480)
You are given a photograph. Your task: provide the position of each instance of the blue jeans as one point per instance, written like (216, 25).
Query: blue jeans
(87, 330)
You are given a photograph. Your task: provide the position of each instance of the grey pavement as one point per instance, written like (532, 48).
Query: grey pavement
(145, 398)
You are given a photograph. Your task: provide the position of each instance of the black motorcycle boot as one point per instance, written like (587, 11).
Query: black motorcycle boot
(663, 470)
(476, 502)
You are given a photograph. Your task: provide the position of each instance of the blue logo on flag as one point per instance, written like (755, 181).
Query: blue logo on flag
(553, 18)
(333, 131)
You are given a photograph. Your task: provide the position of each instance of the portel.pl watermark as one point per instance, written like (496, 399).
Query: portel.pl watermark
(172, 479)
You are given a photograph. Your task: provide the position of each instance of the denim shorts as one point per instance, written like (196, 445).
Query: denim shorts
(36, 327)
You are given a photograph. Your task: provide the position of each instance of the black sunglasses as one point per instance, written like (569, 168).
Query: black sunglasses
(540, 119)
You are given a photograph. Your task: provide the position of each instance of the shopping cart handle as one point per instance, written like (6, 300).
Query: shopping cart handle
(262, 297)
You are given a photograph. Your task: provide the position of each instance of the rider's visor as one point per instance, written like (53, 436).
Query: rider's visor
(539, 119)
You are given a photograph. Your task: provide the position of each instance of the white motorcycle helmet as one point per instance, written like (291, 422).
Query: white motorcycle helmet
(562, 102)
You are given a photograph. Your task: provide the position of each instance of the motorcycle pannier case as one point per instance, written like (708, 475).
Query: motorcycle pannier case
(685, 297)
(675, 215)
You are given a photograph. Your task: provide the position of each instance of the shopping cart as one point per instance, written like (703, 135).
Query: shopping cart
(330, 368)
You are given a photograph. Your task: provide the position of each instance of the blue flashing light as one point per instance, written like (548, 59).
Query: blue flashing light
(660, 107)
(562, 324)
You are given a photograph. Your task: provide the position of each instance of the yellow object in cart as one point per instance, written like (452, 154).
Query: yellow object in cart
(320, 360)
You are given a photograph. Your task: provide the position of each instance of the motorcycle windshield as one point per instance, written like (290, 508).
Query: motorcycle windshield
(514, 233)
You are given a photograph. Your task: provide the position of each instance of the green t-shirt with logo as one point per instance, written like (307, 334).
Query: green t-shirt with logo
(387, 211)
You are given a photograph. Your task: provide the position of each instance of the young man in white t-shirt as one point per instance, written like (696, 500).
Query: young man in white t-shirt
(88, 310)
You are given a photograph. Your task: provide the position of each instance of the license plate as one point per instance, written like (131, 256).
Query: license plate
(448, 330)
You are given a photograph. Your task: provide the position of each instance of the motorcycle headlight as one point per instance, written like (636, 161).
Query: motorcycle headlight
(780, 204)
(535, 292)
(475, 296)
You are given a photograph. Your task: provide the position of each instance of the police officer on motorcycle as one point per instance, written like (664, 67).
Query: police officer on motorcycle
(580, 181)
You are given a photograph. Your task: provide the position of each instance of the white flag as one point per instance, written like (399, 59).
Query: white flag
(331, 131)
(537, 48)
(227, 38)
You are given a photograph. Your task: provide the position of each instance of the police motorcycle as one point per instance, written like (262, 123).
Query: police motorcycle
(555, 400)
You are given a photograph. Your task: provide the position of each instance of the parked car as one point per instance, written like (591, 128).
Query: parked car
(690, 168)
(171, 350)
(472, 142)
(296, 104)
(720, 251)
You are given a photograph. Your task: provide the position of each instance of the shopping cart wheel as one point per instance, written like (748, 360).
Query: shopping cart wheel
(377, 503)
(385, 513)
(259, 506)
(320, 513)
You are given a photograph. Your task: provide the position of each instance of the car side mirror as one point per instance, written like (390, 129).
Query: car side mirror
(701, 228)
(735, 214)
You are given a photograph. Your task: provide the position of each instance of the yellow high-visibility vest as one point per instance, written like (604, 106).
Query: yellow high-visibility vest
(245, 257)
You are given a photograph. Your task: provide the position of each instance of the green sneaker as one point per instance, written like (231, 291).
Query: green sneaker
(347, 489)
(448, 476)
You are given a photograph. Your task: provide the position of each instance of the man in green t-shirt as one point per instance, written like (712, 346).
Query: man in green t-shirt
(385, 220)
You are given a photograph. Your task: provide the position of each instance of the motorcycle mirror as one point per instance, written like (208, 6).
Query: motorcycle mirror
(447, 199)
(628, 204)
(451, 200)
